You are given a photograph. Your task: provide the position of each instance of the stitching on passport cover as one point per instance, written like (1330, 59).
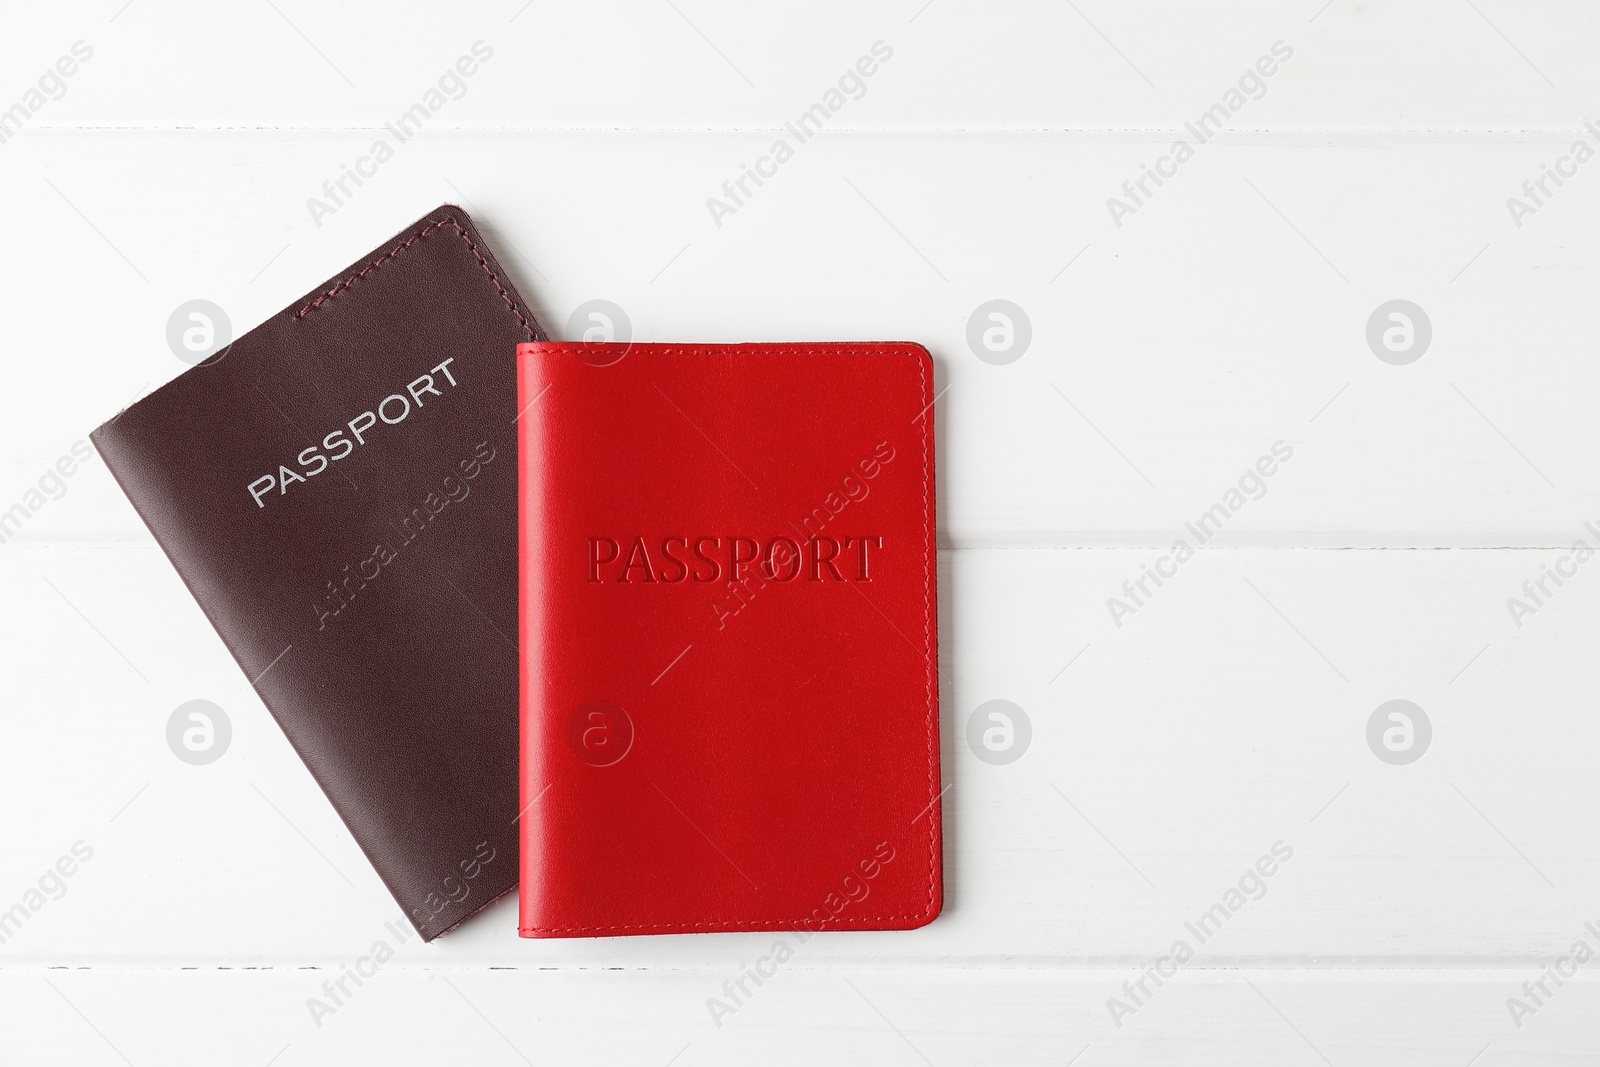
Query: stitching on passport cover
(413, 239)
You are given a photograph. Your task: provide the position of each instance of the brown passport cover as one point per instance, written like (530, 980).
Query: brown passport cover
(369, 592)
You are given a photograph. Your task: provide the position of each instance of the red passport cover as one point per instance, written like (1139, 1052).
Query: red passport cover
(729, 646)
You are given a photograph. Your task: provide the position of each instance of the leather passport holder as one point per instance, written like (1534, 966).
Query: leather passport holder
(337, 489)
(729, 680)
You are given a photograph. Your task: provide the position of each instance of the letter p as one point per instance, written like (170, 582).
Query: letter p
(356, 425)
(596, 559)
(261, 485)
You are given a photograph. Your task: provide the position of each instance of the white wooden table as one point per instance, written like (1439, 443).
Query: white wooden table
(1175, 340)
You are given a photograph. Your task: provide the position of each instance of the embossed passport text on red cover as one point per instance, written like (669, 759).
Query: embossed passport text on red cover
(729, 634)
(337, 490)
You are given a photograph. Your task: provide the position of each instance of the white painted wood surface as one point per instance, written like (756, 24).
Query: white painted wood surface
(1228, 313)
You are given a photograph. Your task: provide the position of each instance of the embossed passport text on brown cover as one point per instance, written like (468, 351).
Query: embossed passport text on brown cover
(338, 491)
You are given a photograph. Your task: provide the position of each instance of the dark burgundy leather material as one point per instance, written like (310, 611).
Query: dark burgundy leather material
(730, 697)
(337, 490)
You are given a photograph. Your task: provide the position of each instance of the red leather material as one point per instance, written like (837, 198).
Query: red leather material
(728, 621)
